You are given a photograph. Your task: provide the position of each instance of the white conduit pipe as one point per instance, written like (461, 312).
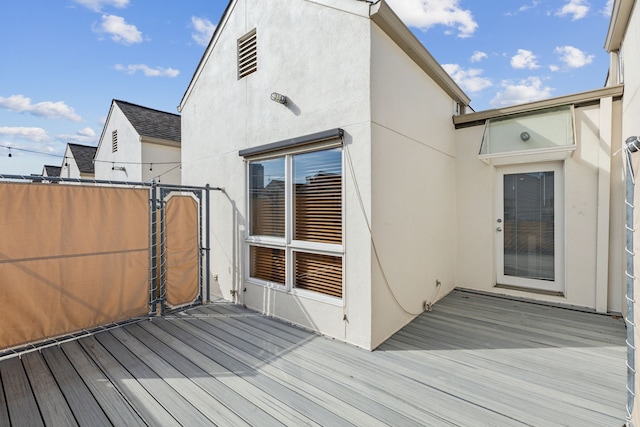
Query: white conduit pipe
(632, 145)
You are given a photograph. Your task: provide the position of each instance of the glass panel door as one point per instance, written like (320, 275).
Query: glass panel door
(529, 227)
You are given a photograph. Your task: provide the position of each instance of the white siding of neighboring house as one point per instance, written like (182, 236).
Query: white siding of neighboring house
(129, 154)
(69, 167)
(593, 199)
(318, 57)
(413, 200)
(161, 162)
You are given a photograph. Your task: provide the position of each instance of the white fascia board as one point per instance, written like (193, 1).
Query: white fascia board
(620, 15)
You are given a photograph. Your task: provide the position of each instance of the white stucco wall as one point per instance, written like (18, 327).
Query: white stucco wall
(592, 278)
(631, 71)
(318, 57)
(161, 162)
(69, 167)
(129, 154)
(413, 189)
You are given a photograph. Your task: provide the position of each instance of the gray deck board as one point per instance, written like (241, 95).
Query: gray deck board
(22, 406)
(207, 357)
(474, 360)
(4, 412)
(145, 404)
(115, 406)
(176, 404)
(53, 406)
(257, 371)
(231, 407)
(85, 408)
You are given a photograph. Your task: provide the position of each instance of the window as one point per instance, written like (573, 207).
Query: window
(114, 141)
(295, 221)
(247, 54)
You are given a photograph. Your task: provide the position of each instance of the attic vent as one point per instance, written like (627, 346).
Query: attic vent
(247, 54)
(114, 141)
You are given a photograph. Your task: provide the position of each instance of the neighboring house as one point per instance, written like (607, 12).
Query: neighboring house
(52, 171)
(353, 201)
(139, 144)
(78, 162)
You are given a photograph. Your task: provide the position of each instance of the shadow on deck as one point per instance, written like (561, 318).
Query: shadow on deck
(474, 360)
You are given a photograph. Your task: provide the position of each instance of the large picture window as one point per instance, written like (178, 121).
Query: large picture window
(295, 221)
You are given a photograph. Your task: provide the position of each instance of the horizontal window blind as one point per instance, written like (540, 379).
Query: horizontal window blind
(267, 264)
(319, 273)
(267, 198)
(318, 196)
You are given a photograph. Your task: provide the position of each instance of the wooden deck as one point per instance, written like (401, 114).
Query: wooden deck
(474, 361)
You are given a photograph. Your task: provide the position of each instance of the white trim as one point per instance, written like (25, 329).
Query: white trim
(529, 156)
(288, 244)
(558, 284)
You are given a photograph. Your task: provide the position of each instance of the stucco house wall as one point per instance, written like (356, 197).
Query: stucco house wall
(109, 164)
(592, 216)
(413, 188)
(325, 76)
(139, 157)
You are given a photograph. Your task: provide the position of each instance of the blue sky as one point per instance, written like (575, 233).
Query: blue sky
(65, 60)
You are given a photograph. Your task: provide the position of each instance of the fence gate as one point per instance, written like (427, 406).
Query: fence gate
(179, 258)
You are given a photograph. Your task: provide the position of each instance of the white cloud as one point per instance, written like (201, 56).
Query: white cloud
(96, 5)
(554, 68)
(48, 109)
(28, 133)
(578, 9)
(203, 30)
(148, 71)
(531, 89)
(573, 57)
(81, 136)
(524, 8)
(120, 31)
(469, 80)
(424, 14)
(87, 132)
(478, 56)
(606, 11)
(524, 59)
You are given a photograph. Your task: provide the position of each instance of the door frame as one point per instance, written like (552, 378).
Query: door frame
(556, 286)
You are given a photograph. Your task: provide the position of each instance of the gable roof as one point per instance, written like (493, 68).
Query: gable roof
(83, 155)
(381, 14)
(151, 123)
(53, 171)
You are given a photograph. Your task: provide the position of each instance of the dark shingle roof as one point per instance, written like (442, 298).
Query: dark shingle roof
(84, 155)
(52, 170)
(151, 123)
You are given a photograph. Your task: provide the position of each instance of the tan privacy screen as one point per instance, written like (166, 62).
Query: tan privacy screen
(71, 258)
(182, 250)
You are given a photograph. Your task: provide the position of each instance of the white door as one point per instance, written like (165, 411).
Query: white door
(530, 227)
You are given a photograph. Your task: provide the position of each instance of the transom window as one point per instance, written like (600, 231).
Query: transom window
(295, 221)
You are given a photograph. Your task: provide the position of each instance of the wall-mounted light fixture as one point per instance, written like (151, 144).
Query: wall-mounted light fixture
(281, 99)
(525, 136)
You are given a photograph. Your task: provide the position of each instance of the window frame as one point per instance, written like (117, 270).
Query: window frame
(288, 244)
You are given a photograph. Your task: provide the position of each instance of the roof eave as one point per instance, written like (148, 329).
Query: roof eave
(390, 23)
(620, 15)
(581, 98)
